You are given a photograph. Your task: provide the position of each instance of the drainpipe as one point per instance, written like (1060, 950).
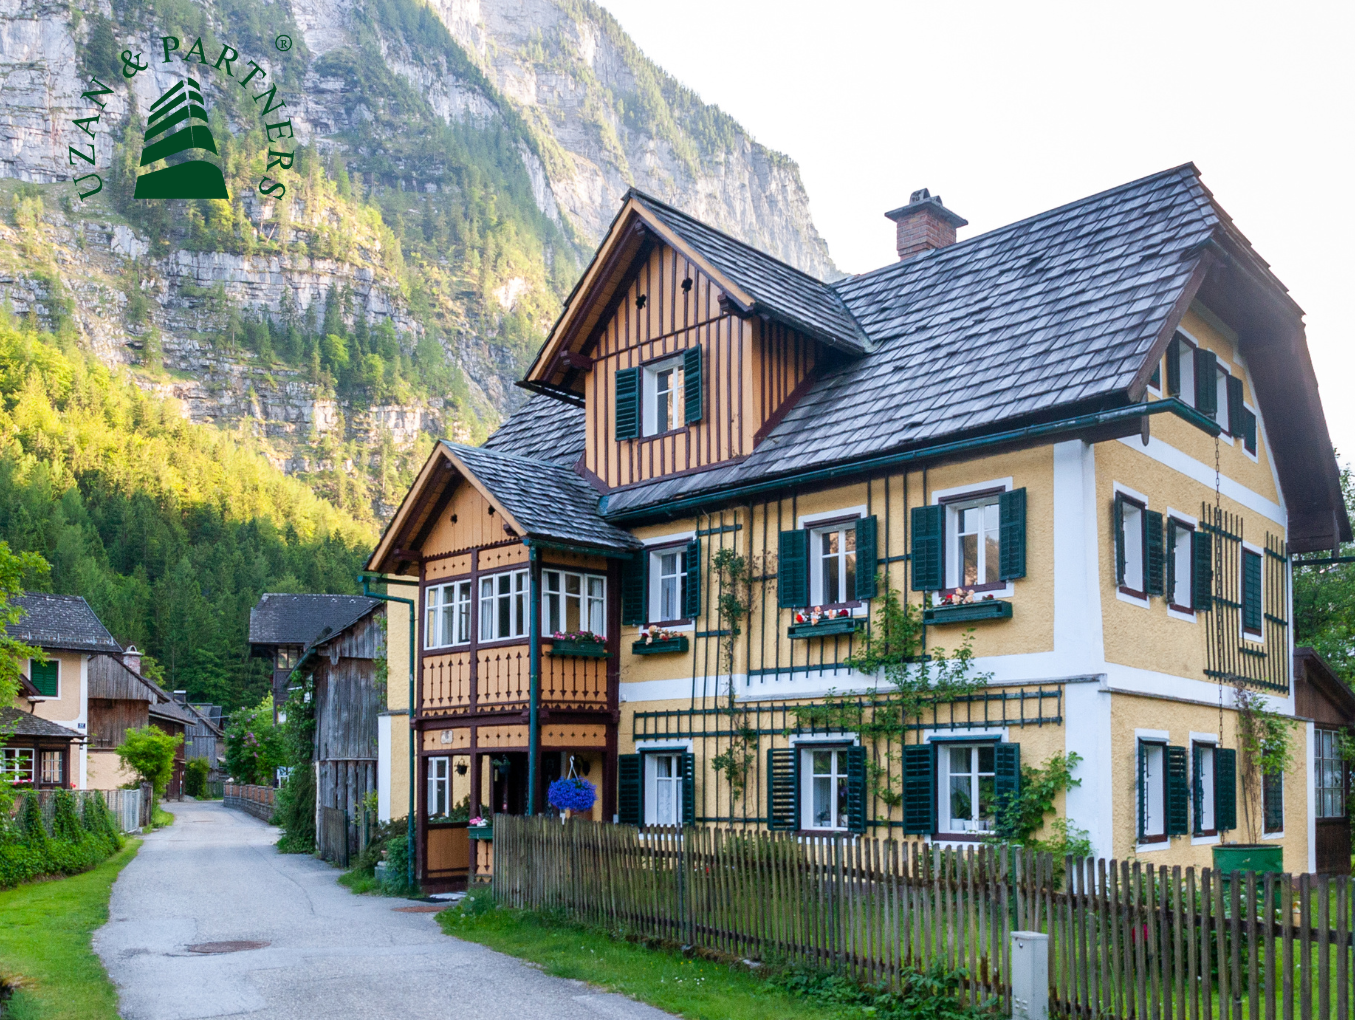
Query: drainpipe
(409, 826)
(534, 657)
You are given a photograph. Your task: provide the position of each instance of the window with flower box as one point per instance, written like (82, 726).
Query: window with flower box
(16, 764)
(574, 602)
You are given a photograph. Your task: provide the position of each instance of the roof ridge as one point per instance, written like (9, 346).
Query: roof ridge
(645, 196)
(959, 245)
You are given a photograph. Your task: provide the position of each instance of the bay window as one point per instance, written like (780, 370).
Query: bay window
(447, 615)
(16, 764)
(503, 605)
(573, 602)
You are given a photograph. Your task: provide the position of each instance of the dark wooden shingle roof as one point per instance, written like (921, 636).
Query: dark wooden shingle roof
(285, 619)
(63, 622)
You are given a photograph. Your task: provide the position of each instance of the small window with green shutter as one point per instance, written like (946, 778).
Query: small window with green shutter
(973, 783)
(928, 548)
(1251, 594)
(1249, 431)
(1206, 382)
(982, 544)
(1204, 781)
(1152, 791)
(1272, 803)
(1225, 789)
(1131, 546)
(667, 795)
(1180, 565)
(674, 592)
(627, 403)
(629, 789)
(783, 790)
(832, 795)
(45, 676)
(837, 570)
(919, 789)
(792, 569)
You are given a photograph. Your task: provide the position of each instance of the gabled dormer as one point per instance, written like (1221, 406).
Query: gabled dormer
(684, 346)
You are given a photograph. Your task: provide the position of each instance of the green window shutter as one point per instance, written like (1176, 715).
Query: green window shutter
(1178, 792)
(1225, 789)
(692, 395)
(44, 676)
(1202, 563)
(1011, 516)
(919, 789)
(857, 797)
(1272, 802)
(1117, 515)
(691, 595)
(783, 790)
(1251, 590)
(630, 789)
(627, 403)
(929, 548)
(1174, 367)
(1206, 382)
(634, 589)
(1006, 786)
(1235, 408)
(1174, 531)
(792, 569)
(867, 557)
(688, 789)
(1249, 430)
(1153, 523)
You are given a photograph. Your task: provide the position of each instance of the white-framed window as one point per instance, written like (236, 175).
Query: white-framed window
(668, 584)
(824, 788)
(973, 537)
(832, 558)
(1186, 360)
(1181, 556)
(1152, 791)
(574, 602)
(663, 788)
(1132, 527)
(439, 786)
(1206, 823)
(503, 605)
(663, 397)
(968, 783)
(1331, 775)
(16, 764)
(1222, 375)
(52, 772)
(448, 615)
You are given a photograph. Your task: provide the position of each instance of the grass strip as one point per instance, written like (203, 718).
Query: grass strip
(46, 933)
(693, 988)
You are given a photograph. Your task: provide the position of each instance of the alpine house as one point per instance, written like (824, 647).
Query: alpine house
(763, 551)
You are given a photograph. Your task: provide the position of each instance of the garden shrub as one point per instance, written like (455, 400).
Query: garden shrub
(933, 994)
(79, 840)
(195, 777)
(397, 866)
(294, 812)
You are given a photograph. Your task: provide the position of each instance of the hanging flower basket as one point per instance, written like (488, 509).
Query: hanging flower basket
(572, 794)
(580, 644)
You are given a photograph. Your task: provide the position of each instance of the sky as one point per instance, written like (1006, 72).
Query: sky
(1006, 109)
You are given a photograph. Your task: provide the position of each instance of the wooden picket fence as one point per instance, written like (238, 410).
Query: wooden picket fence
(1128, 940)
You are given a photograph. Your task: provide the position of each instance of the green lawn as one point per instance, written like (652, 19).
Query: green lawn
(696, 989)
(45, 933)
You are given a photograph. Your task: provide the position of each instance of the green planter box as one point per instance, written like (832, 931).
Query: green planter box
(826, 628)
(992, 609)
(579, 649)
(664, 647)
(480, 831)
(1230, 857)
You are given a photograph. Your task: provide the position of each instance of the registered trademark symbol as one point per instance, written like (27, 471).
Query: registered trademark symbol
(283, 43)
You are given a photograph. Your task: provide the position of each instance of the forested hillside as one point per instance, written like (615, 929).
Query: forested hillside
(170, 529)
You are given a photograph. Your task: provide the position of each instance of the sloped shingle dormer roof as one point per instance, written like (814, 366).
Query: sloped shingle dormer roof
(64, 622)
(286, 619)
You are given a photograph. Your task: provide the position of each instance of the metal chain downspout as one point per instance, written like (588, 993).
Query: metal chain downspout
(409, 826)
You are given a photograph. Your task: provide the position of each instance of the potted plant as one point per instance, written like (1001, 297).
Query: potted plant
(1265, 749)
(480, 827)
(581, 643)
(657, 641)
(964, 605)
(820, 622)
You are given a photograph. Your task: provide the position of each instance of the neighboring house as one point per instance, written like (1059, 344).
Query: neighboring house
(70, 634)
(1321, 697)
(282, 627)
(1101, 424)
(205, 736)
(32, 749)
(121, 698)
(341, 663)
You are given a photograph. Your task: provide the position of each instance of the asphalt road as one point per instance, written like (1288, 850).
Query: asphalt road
(214, 876)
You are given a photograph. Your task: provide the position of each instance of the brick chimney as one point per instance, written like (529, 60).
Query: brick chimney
(923, 224)
(131, 658)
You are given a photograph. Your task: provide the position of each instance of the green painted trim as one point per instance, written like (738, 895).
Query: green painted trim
(991, 609)
(1082, 423)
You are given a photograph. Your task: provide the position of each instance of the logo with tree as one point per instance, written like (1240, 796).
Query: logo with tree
(178, 123)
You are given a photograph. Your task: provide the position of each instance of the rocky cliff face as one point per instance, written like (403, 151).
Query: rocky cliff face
(459, 163)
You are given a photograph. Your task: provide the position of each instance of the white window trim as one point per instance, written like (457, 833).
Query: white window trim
(1224, 436)
(644, 748)
(817, 596)
(429, 631)
(56, 660)
(430, 781)
(1123, 490)
(1162, 742)
(813, 520)
(480, 600)
(1187, 396)
(650, 779)
(1210, 740)
(1242, 631)
(653, 596)
(807, 781)
(34, 764)
(1194, 522)
(943, 819)
(649, 417)
(583, 600)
